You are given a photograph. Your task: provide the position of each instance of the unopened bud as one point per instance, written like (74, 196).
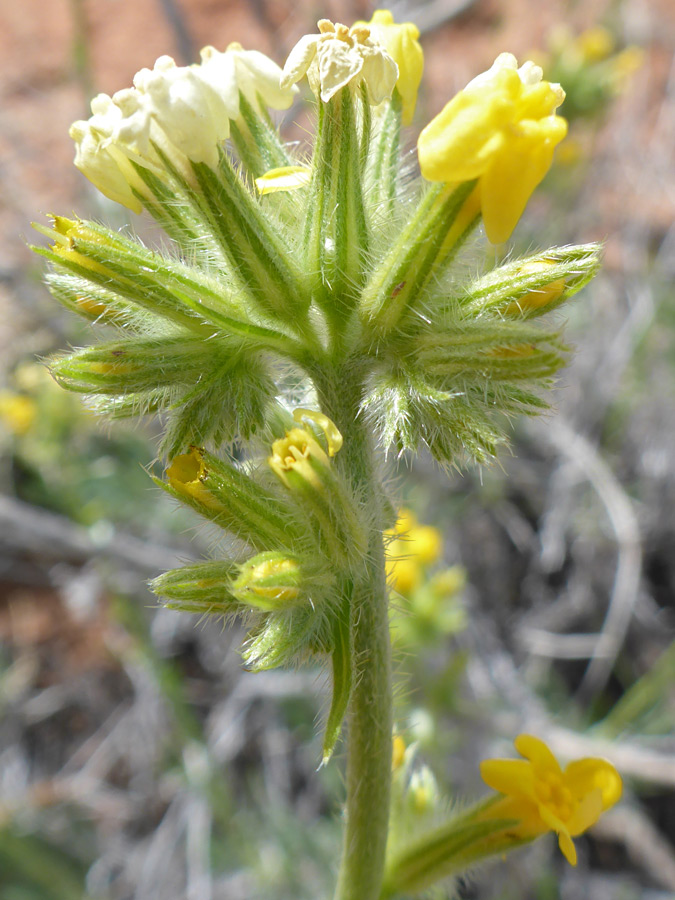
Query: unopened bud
(269, 581)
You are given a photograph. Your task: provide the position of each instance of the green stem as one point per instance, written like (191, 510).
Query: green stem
(370, 706)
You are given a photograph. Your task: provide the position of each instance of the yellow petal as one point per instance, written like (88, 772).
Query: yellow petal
(401, 43)
(459, 143)
(285, 178)
(425, 543)
(583, 775)
(513, 174)
(329, 428)
(508, 776)
(534, 749)
(587, 813)
(567, 848)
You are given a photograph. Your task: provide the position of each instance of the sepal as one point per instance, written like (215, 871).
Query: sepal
(533, 285)
(342, 679)
(232, 499)
(201, 588)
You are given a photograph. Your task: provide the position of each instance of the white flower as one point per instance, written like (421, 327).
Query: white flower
(183, 110)
(338, 56)
(194, 116)
(248, 71)
(92, 156)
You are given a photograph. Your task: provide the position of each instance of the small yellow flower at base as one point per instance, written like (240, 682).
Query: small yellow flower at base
(300, 453)
(186, 475)
(543, 797)
(401, 43)
(285, 178)
(502, 130)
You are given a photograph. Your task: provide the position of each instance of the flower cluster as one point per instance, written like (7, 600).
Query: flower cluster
(179, 112)
(411, 549)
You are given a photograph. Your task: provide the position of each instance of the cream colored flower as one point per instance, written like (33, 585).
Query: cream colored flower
(249, 71)
(194, 116)
(184, 110)
(339, 56)
(92, 156)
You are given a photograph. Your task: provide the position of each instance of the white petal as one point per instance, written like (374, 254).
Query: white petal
(338, 64)
(299, 59)
(258, 74)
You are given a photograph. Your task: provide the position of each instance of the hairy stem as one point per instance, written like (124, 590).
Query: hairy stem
(370, 707)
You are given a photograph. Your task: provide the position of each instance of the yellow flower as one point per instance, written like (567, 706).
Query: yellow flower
(268, 581)
(186, 475)
(17, 412)
(595, 44)
(413, 547)
(339, 56)
(543, 797)
(400, 42)
(502, 130)
(301, 454)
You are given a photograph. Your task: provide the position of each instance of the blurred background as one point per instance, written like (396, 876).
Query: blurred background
(137, 759)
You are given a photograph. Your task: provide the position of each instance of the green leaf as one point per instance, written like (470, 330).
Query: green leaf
(341, 660)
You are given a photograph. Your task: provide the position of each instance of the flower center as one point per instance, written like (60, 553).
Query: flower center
(553, 794)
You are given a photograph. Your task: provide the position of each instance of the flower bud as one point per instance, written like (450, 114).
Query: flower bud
(269, 581)
(545, 295)
(401, 43)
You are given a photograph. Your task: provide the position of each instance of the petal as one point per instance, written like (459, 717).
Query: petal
(587, 812)
(503, 61)
(460, 142)
(258, 74)
(550, 818)
(299, 60)
(380, 74)
(567, 848)
(513, 174)
(583, 775)
(534, 749)
(508, 776)
(338, 64)
(285, 178)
